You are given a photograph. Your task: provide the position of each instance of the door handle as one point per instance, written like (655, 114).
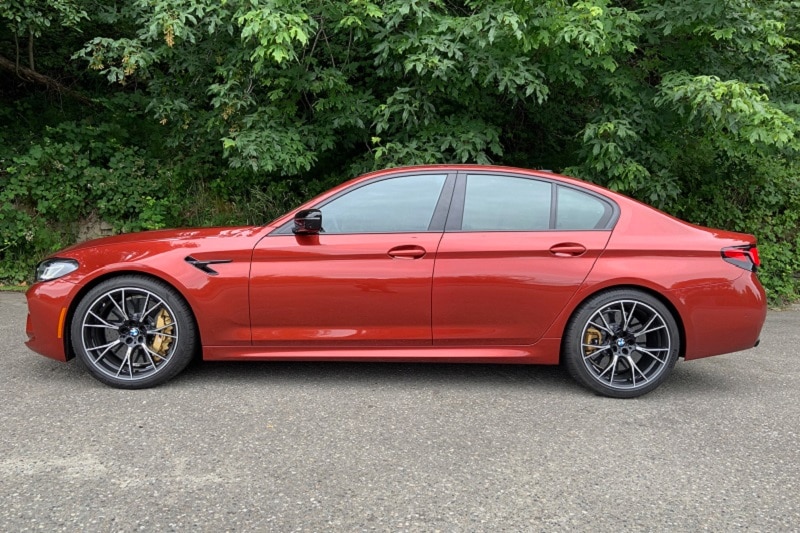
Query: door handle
(408, 251)
(567, 249)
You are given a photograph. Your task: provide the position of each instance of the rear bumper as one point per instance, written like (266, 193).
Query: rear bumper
(723, 317)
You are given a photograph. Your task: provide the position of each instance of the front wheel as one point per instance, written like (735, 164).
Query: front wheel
(621, 343)
(133, 332)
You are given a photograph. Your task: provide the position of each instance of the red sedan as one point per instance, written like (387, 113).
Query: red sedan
(437, 263)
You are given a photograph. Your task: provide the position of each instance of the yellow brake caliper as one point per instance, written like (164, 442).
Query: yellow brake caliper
(593, 337)
(162, 342)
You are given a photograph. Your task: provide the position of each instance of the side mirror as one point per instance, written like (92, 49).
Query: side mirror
(307, 222)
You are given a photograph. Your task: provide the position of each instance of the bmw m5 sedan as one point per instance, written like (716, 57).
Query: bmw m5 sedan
(457, 263)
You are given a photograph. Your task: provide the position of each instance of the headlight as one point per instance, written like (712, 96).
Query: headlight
(55, 268)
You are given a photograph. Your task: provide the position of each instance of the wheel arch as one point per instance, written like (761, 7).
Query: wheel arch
(68, 351)
(634, 287)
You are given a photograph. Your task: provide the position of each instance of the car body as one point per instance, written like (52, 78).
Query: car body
(456, 263)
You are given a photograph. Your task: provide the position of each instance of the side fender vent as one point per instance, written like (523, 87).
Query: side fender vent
(203, 265)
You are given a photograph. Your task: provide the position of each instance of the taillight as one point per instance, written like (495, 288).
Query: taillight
(754, 256)
(745, 257)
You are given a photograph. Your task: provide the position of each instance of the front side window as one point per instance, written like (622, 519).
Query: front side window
(504, 203)
(395, 205)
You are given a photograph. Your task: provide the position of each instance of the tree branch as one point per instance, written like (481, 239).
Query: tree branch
(32, 76)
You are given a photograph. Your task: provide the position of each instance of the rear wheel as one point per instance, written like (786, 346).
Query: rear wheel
(133, 332)
(621, 343)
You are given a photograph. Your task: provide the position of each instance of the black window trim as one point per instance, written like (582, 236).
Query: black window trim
(438, 219)
(456, 216)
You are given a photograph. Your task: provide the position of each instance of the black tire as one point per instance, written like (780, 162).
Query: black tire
(133, 332)
(621, 343)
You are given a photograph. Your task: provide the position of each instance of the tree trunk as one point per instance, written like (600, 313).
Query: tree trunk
(16, 48)
(30, 51)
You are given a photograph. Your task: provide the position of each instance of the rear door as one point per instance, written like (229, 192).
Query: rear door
(515, 250)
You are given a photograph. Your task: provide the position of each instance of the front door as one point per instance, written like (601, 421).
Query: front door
(364, 281)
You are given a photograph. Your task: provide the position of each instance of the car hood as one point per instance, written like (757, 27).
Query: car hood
(174, 235)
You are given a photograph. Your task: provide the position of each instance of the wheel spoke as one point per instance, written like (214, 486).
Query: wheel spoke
(613, 369)
(121, 310)
(651, 354)
(144, 305)
(609, 367)
(104, 352)
(608, 327)
(155, 306)
(634, 369)
(596, 351)
(157, 331)
(104, 346)
(103, 324)
(124, 360)
(624, 318)
(630, 315)
(124, 306)
(164, 357)
(640, 333)
(605, 328)
(150, 358)
(649, 323)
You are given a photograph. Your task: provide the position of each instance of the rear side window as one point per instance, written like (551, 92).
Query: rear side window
(578, 210)
(504, 203)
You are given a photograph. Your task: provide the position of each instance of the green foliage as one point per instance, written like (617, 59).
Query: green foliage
(213, 112)
(739, 110)
(36, 16)
(76, 170)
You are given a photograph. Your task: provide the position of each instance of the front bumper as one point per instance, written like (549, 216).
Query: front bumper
(47, 323)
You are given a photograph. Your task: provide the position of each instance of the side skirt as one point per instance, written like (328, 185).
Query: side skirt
(544, 352)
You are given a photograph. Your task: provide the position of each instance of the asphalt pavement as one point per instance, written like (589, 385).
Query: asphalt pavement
(400, 447)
